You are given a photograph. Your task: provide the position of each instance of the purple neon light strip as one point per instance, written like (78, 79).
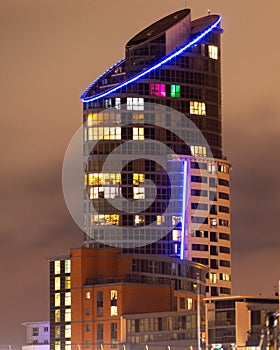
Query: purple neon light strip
(156, 66)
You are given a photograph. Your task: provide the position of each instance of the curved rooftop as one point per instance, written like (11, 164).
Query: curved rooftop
(200, 28)
(158, 27)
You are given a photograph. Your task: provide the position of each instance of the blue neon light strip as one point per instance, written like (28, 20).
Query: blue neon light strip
(156, 66)
(184, 206)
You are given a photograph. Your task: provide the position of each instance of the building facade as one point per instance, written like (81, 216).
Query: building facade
(238, 321)
(37, 335)
(167, 89)
(97, 296)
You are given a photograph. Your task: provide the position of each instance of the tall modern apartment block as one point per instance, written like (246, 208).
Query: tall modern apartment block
(166, 92)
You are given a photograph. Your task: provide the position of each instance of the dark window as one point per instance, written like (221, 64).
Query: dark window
(223, 195)
(199, 220)
(114, 335)
(224, 236)
(182, 303)
(99, 304)
(87, 327)
(199, 206)
(87, 311)
(224, 290)
(213, 264)
(213, 237)
(201, 193)
(212, 196)
(223, 209)
(214, 291)
(201, 260)
(200, 179)
(196, 165)
(225, 263)
(212, 182)
(256, 317)
(223, 182)
(225, 250)
(99, 332)
(200, 247)
(213, 250)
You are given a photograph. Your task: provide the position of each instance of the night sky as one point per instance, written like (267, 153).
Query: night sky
(50, 51)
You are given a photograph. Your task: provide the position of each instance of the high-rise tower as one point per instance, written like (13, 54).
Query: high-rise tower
(166, 90)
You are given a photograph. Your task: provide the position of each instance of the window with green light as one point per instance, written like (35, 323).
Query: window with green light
(175, 90)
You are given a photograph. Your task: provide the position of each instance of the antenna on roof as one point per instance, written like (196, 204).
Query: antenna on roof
(186, 3)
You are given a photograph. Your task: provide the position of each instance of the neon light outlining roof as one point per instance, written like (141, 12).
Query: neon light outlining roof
(162, 62)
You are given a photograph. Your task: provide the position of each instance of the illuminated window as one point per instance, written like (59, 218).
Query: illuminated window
(112, 219)
(190, 303)
(67, 300)
(176, 235)
(57, 267)
(57, 299)
(85, 134)
(213, 277)
(67, 266)
(105, 133)
(57, 331)
(104, 192)
(102, 179)
(211, 168)
(160, 220)
(57, 345)
(57, 315)
(198, 108)
(224, 277)
(138, 134)
(213, 52)
(68, 345)
(68, 331)
(135, 103)
(139, 220)
(117, 103)
(88, 295)
(213, 223)
(90, 119)
(175, 91)
(57, 283)
(138, 178)
(138, 116)
(138, 193)
(157, 90)
(198, 151)
(114, 302)
(67, 282)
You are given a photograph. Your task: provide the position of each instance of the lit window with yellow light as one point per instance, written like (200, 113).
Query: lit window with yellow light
(68, 345)
(213, 52)
(138, 116)
(101, 219)
(102, 179)
(176, 235)
(138, 193)
(68, 331)
(67, 282)
(213, 277)
(57, 331)
(57, 283)
(138, 178)
(57, 267)
(57, 315)
(160, 220)
(57, 299)
(88, 295)
(138, 134)
(67, 299)
(139, 220)
(114, 303)
(67, 266)
(57, 345)
(198, 108)
(67, 315)
(198, 151)
(190, 303)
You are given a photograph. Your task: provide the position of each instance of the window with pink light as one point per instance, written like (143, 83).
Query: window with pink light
(157, 90)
